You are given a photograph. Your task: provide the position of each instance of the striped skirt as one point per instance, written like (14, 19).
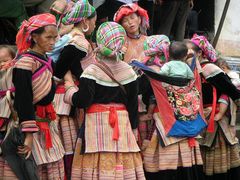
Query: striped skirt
(51, 171)
(220, 158)
(158, 158)
(102, 157)
(67, 125)
(6, 172)
(106, 165)
(67, 132)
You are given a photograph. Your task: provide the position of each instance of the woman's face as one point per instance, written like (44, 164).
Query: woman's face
(131, 23)
(45, 41)
(91, 24)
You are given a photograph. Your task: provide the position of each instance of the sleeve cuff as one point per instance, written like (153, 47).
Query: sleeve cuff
(29, 126)
(69, 93)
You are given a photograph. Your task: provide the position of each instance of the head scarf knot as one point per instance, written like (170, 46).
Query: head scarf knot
(128, 9)
(208, 50)
(23, 38)
(81, 9)
(156, 49)
(110, 39)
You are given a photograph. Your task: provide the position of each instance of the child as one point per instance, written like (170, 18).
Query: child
(176, 67)
(7, 55)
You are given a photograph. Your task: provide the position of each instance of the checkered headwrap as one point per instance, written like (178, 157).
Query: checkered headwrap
(23, 38)
(110, 39)
(156, 49)
(81, 9)
(208, 50)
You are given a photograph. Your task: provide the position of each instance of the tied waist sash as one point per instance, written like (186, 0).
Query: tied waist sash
(113, 117)
(46, 115)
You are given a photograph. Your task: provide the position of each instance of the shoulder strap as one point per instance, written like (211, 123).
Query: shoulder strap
(45, 65)
(108, 71)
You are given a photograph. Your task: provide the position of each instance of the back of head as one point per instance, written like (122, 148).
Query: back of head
(110, 39)
(178, 50)
(81, 9)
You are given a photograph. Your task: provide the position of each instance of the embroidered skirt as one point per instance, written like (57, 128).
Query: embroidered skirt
(106, 165)
(220, 158)
(158, 158)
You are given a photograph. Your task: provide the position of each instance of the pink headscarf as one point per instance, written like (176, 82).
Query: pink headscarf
(208, 50)
(23, 38)
(156, 49)
(127, 9)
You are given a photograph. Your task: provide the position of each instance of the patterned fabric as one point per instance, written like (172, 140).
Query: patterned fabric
(165, 140)
(220, 158)
(67, 132)
(110, 39)
(172, 125)
(208, 50)
(81, 9)
(40, 153)
(23, 38)
(158, 158)
(50, 171)
(5, 84)
(95, 73)
(99, 133)
(60, 106)
(184, 100)
(106, 165)
(156, 49)
(128, 9)
(6, 172)
(43, 83)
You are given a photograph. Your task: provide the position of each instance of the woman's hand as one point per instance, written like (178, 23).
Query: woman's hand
(68, 84)
(26, 149)
(68, 77)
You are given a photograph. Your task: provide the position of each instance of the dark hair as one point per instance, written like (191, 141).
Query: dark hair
(194, 47)
(178, 50)
(11, 50)
(38, 32)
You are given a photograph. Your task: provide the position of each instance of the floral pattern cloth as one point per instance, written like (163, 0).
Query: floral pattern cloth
(184, 100)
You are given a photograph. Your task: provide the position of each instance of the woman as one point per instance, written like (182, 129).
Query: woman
(76, 55)
(135, 21)
(171, 153)
(34, 92)
(106, 147)
(220, 148)
(7, 54)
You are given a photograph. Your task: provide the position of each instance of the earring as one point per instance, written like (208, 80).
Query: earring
(85, 30)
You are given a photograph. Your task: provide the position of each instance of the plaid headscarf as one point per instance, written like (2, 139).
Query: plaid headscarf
(81, 9)
(127, 9)
(156, 50)
(110, 39)
(208, 50)
(23, 38)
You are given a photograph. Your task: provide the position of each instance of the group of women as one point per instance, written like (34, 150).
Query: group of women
(88, 114)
